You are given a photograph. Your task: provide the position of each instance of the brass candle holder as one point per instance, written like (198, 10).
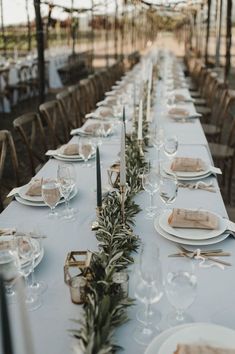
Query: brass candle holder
(140, 143)
(78, 263)
(114, 175)
(95, 223)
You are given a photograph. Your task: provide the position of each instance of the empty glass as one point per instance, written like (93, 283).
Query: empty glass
(149, 290)
(170, 145)
(86, 149)
(180, 287)
(26, 252)
(150, 182)
(37, 286)
(168, 189)
(9, 265)
(67, 181)
(51, 195)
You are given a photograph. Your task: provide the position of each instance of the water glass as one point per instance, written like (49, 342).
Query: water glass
(180, 287)
(86, 149)
(150, 183)
(67, 180)
(51, 195)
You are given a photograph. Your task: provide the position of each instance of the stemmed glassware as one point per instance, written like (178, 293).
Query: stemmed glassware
(9, 265)
(38, 287)
(180, 288)
(149, 290)
(150, 182)
(168, 189)
(67, 181)
(26, 253)
(170, 145)
(86, 149)
(51, 195)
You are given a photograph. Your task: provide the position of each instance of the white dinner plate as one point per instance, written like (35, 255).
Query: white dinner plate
(72, 158)
(38, 203)
(183, 241)
(187, 175)
(22, 193)
(156, 343)
(192, 234)
(200, 333)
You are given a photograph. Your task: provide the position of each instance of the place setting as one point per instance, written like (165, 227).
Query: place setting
(84, 150)
(99, 129)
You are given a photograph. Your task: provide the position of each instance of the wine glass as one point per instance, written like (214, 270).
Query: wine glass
(170, 145)
(66, 181)
(180, 287)
(168, 189)
(149, 290)
(26, 252)
(9, 265)
(150, 183)
(51, 195)
(86, 149)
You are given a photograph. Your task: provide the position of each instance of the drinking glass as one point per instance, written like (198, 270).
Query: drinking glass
(150, 182)
(26, 250)
(157, 139)
(149, 290)
(66, 181)
(38, 287)
(180, 287)
(168, 189)
(170, 145)
(51, 195)
(86, 149)
(9, 265)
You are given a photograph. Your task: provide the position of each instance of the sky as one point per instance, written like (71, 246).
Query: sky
(14, 10)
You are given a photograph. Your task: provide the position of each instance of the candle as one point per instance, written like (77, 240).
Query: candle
(98, 178)
(150, 76)
(123, 159)
(148, 115)
(5, 324)
(124, 118)
(140, 133)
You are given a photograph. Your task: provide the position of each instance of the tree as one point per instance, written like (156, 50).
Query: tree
(40, 49)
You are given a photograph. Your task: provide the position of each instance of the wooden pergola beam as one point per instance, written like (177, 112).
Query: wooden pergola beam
(208, 30)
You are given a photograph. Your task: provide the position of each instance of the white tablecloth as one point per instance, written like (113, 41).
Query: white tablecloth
(50, 323)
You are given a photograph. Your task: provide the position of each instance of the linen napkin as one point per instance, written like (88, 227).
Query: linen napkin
(193, 219)
(35, 188)
(187, 164)
(7, 231)
(176, 111)
(92, 128)
(70, 149)
(202, 349)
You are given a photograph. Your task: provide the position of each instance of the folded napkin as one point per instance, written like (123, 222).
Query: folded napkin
(35, 188)
(193, 219)
(176, 111)
(187, 164)
(92, 128)
(181, 98)
(7, 231)
(201, 349)
(70, 149)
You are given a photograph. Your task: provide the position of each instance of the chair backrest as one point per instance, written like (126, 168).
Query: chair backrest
(7, 144)
(218, 104)
(76, 97)
(227, 136)
(68, 108)
(24, 73)
(30, 129)
(57, 126)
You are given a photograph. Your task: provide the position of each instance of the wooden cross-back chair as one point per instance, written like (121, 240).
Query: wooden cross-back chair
(57, 126)
(223, 152)
(30, 129)
(68, 108)
(76, 97)
(7, 149)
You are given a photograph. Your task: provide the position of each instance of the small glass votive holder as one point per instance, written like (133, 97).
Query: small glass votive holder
(121, 279)
(77, 287)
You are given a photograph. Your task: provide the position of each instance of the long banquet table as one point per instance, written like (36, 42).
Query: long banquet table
(51, 322)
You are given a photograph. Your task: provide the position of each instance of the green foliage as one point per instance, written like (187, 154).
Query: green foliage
(106, 304)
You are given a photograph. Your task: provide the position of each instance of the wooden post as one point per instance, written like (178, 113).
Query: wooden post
(228, 40)
(92, 33)
(28, 24)
(40, 49)
(207, 30)
(218, 31)
(106, 34)
(3, 30)
(116, 30)
(123, 29)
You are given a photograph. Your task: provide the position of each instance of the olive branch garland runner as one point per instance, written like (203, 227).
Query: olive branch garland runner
(106, 304)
